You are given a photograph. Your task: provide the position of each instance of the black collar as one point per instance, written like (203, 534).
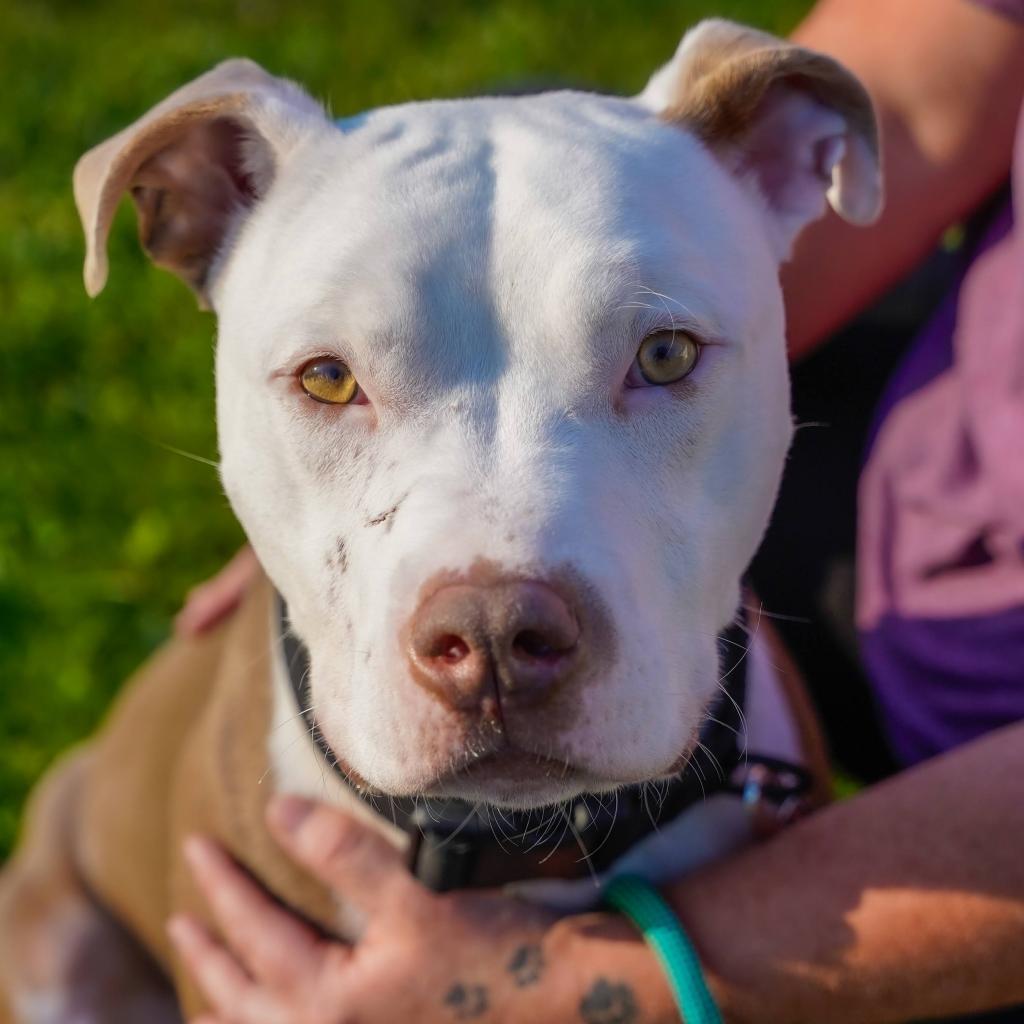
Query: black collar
(456, 845)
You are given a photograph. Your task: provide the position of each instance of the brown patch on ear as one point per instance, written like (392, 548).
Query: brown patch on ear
(166, 162)
(186, 197)
(745, 93)
(192, 163)
(723, 90)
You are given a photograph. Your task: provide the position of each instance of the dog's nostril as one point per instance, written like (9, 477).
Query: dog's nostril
(534, 644)
(451, 649)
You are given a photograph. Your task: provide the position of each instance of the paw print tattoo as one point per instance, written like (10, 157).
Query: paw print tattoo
(467, 1002)
(526, 965)
(606, 1003)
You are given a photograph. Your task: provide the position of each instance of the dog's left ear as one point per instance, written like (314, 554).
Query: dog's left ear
(795, 123)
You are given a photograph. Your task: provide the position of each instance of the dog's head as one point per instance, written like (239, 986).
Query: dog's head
(502, 388)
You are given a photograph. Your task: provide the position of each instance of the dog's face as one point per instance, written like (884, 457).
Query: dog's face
(489, 271)
(502, 391)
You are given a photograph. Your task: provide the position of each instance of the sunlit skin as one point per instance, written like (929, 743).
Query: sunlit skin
(424, 957)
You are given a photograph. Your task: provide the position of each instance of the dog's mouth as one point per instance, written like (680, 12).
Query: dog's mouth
(490, 768)
(508, 765)
(496, 774)
(514, 777)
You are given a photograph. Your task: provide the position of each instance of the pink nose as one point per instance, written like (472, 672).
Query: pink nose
(515, 640)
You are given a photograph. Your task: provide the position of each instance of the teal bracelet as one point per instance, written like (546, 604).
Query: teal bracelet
(638, 900)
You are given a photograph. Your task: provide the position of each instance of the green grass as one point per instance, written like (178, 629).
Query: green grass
(102, 527)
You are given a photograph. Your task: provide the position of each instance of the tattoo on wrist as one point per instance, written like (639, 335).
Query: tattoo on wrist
(526, 965)
(467, 1002)
(609, 1003)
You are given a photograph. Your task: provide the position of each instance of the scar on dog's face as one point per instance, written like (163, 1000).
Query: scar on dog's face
(502, 388)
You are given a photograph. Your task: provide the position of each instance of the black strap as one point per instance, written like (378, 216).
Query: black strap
(455, 845)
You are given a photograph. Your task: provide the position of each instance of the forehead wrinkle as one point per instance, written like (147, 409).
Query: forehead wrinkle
(588, 241)
(322, 328)
(625, 296)
(504, 179)
(406, 293)
(603, 308)
(445, 336)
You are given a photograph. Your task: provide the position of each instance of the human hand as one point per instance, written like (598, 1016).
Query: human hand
(424, 957)
(212, 601)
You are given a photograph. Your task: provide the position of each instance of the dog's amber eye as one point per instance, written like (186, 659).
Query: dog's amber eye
(667, 356)
(330, 381)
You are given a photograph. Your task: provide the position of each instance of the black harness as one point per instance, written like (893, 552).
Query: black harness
(458, 845)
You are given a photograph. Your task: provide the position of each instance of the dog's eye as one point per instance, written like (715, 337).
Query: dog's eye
(664, 358)
(329, 381)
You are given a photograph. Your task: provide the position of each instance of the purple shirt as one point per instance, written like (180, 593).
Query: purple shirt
(941, 508)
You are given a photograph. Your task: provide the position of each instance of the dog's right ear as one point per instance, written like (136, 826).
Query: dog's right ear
(195, 164)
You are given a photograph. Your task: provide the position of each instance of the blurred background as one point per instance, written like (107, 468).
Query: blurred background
(104, 523)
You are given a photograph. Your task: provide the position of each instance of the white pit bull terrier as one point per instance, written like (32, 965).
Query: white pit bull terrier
(503, 407)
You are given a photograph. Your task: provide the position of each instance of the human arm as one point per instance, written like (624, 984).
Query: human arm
(433, 959)
(947, 77)
(904, 902)
(210, 602)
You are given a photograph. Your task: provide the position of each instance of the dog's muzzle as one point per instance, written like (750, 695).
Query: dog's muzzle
(459, 845)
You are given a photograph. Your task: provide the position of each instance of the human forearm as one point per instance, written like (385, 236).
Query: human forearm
(948, 80)
(903, 903)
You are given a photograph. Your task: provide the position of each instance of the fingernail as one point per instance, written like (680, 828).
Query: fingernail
(289, 812)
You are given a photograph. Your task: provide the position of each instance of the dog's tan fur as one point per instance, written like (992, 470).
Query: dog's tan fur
(193, 728)
(723, 88)
(725, 75)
